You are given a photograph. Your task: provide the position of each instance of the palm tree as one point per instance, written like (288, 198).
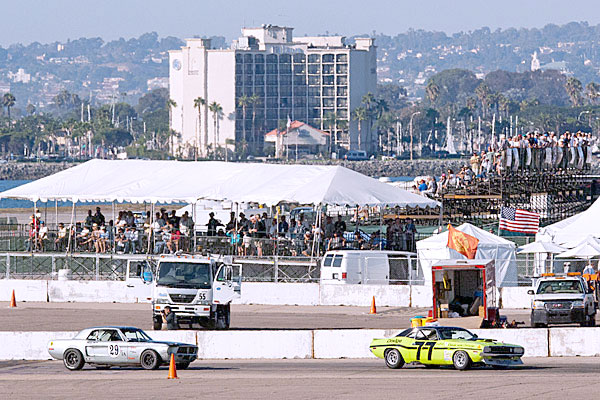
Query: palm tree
(199, 102)
(433, 91)
(216, 110)
(369, 101)
(244, 101)
(360, 114)
(483, 93)
(170, 105)
(253, 100)
(330, 121)
(592, 92)
(8, 100)
(574, 89)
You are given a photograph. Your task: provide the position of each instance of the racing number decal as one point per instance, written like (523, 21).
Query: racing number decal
(420, 345)
(201, 296)
(113, 350)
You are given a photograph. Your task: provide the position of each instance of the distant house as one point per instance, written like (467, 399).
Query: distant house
(307, 139)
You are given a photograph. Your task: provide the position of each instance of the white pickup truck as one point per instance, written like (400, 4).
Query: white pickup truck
(562, 299)
(197, 289)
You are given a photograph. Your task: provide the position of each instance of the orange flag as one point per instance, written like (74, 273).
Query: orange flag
(462, 243)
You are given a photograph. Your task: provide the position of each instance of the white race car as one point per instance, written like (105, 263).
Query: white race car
(107, 346)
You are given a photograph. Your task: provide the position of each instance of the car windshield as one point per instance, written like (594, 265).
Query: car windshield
(455, 333)
(135, 335)
(562, 286)
(184, 275)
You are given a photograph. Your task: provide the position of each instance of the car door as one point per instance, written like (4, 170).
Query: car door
(425, 341)
(106, 346)
(223, 285)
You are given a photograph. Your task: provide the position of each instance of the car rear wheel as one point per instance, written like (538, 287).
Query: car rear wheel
(393, 359)
(461, 360)
(182, 365)
(150, 359)
(73, 359)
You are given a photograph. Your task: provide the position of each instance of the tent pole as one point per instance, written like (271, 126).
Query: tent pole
(150, 229)
(194, 228)
(56, 213)
(381, 227)
(112, 244)
(71, 227)
(35, 227)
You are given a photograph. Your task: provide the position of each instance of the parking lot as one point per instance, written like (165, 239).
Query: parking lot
(549, 378)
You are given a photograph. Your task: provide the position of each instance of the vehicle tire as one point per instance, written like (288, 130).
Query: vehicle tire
(182, 365)
(150, 359)
(73, 359)
(223, 316)
(393, 358)
(593, 320)
(102, 367)
(461, 360)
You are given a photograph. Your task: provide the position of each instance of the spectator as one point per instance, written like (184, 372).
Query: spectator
(283, 226)
(329, 228)
(337, 242)
(42, 236)
(89, 220)
(212, 225)
(98, 217)
(340, 225)
(61, 238)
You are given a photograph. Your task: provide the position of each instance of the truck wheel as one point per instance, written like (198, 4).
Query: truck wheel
(150, 359)
(393, 359)
(461, 360)
(157, 325)
(593, 320)
(73, 359)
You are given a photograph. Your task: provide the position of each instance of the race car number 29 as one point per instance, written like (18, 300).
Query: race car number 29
(113, 350)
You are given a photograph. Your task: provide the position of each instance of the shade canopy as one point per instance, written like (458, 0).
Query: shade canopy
(541, 247)
(575, 228)
(139, 181)
(588, 248)
(490, 246)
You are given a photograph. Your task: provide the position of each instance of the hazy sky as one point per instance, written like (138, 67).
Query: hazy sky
(45, 21)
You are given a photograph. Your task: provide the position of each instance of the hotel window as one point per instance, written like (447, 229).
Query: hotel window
(341, 58)
(328, 80)
(327, 58)
(314, 58)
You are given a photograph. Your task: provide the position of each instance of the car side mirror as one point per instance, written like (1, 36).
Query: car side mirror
(530, 292)
(147, 277)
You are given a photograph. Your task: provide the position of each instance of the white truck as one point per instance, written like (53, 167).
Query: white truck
(562, 299)
(197, 289)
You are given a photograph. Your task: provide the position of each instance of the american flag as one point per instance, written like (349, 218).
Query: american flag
(516, 220)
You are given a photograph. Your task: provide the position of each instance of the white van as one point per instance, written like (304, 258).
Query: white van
(356, 155)
(368, 267)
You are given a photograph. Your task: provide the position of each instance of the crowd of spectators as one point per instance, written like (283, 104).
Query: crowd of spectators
(530, 153)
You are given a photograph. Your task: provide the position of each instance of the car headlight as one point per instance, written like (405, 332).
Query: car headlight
(487, 349)
(577, 304)
(519, 350)
(161, 301)
(538, 304)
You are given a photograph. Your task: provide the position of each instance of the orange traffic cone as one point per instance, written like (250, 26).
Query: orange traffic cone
(13, 302)
(373, 308)
(172, 368)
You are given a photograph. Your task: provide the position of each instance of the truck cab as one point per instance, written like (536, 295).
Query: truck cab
(562, 299)
(197, 289)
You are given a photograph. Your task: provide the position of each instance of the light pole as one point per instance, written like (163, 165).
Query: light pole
(410, 125)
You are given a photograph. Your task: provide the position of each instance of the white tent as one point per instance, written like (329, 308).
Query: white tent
(434, 249)
(574, 229)
(588, 248)
(139, 181)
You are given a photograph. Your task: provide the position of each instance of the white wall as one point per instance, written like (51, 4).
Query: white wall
(515, 297)
(362, 295)
(569, 342)
(25, 290)
(535, 341)
(301, 294)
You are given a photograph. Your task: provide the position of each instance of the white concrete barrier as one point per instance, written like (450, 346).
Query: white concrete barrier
(301, 294)
(568, 342)
(188, 337)
(28, 345)
(535, 341)
(350, 343)
(255, 344)
(89, 291)
(515, 297)
(25, 290)
(362, 295)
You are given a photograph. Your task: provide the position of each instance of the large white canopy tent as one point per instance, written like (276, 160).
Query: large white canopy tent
(490, 246)
(143, 181)
(571, 231)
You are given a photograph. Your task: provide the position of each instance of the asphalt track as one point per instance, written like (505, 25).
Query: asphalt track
(548, 378)
(76, 316)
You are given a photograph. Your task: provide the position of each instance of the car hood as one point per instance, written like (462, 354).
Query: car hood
(171, 343)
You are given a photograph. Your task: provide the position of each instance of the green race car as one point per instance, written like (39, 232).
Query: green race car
(440, 345)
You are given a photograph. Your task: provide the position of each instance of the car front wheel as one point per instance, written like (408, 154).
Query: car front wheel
(73, 359)
(393, 359)
(182, 365)
(461, 360)
(150, 359)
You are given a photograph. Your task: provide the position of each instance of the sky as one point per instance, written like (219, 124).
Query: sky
(44, 21)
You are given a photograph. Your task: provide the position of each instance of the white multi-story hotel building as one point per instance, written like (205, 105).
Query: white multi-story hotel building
(278, 78)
